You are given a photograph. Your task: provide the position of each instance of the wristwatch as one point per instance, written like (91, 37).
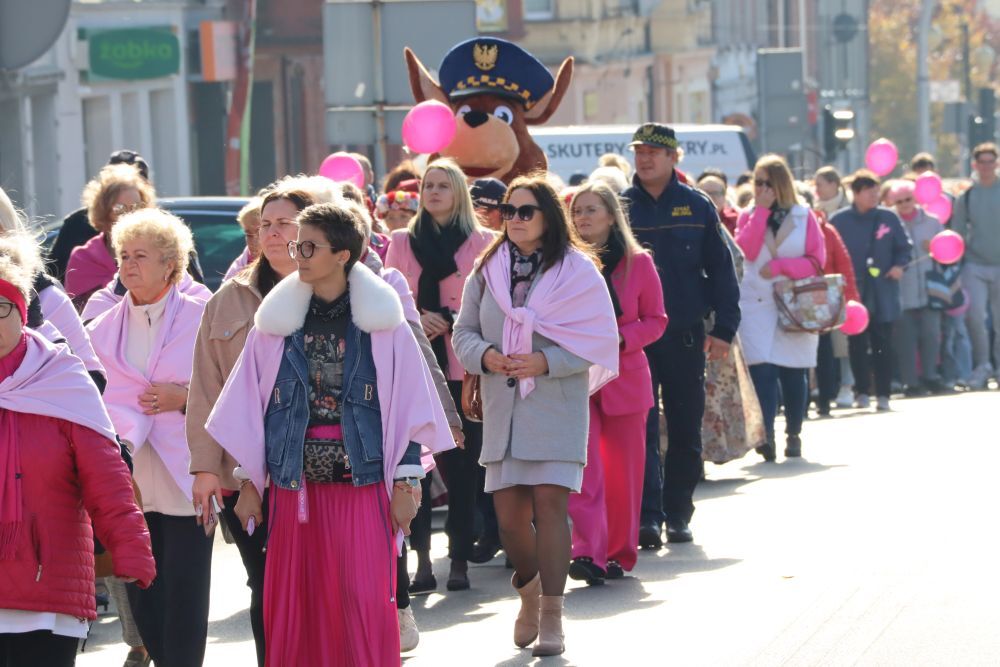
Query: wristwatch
(412, 482)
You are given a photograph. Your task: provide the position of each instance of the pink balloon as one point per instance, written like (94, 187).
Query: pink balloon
(940, 208)
(857, 318)
(928, 187)
(342, 167)
(959, 311)
(947, 247)
(429, 127)
(881, 156)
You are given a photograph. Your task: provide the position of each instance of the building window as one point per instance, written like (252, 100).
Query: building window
(539, 10)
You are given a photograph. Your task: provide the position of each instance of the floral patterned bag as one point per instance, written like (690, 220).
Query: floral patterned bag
(811, 305)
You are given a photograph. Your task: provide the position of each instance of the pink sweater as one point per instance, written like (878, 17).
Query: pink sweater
(750, 231)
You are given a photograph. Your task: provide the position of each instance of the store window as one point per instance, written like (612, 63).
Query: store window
(539, 10)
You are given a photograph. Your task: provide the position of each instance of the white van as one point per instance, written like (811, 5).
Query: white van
(576, 148)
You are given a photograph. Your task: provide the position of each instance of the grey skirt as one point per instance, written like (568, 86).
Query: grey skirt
(519, 472)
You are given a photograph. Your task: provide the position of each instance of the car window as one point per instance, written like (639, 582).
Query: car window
(218, 239)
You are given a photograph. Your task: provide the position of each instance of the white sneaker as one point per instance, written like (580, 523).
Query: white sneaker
(980, 377)
(863, 402)
(845, 398)
(409, 635)
(883, 404)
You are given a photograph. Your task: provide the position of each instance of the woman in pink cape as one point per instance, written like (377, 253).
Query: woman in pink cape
(146, 343)
(606, 511)
(60, 472)
(117, 190)
(331, 403)
(538, 325)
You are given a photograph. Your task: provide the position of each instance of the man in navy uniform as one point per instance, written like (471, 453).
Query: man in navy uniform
(681, 227)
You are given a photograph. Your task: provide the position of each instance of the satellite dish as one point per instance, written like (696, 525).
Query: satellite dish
(28, 28)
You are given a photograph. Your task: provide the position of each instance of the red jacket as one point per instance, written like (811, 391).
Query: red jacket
(71, 475)
(837, 258)
(643, 321)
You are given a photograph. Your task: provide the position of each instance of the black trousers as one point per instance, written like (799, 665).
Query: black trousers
(827, 373)
(677, 364)
(402, 580)
(460, 469)
(252, 553)
(871, 353)
(41, 647)
(172, 614)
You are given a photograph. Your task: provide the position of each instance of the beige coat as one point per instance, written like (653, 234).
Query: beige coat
(551, 423)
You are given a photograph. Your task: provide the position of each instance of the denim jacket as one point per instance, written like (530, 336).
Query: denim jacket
(287, 416)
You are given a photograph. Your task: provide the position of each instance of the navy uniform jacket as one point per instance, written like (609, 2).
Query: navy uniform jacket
(682, 230)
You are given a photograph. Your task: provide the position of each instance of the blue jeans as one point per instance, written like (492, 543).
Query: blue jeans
(956, 352)
(793, 390)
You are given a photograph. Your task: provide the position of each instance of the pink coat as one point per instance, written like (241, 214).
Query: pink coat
(400, 256)
(643, 321)
(170, 361)
(90, 266)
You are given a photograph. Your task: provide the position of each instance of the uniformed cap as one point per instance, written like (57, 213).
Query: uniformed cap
(496, 66)
(654, 134)
(487, 191)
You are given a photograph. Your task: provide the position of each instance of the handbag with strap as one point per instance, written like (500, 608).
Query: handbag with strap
(811, 305)
(472, 398)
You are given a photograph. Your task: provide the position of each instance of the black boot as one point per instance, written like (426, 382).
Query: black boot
(793, 447)
(768, 450)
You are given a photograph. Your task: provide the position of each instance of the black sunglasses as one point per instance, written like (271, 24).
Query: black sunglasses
(306, 249)
(760, 183)
(525, 212)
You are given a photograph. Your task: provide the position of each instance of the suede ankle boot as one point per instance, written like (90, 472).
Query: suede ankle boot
(526, 625)
(550, 633)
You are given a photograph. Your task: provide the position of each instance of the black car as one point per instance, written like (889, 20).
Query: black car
(218, 238)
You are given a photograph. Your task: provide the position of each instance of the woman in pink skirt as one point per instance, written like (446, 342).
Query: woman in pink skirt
(332, 403)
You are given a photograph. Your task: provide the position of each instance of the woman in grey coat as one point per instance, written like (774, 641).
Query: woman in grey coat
(536, 316)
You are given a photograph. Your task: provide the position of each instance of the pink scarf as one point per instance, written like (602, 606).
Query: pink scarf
(170, 360)
(42, 379)
(569, 304)
(411, 410)
(90, 267)
(105, 299)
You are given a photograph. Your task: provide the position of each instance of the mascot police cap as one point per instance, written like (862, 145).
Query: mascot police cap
(490, 65)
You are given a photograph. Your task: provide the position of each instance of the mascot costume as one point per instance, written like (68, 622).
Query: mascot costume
(496, 89)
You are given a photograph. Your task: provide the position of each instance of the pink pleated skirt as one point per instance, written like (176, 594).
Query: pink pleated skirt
(330, 581)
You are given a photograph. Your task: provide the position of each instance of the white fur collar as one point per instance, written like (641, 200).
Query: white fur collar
(375, 305)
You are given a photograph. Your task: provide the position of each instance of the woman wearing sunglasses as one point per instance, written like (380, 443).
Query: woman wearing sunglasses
(782, 240)
(331, 401)
(117, 190)
(436, 253)
(606, 511)
(538, 325)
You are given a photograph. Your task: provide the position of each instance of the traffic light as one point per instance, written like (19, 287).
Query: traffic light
(838, 130)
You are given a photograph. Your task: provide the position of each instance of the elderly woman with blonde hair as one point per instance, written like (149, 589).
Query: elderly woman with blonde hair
(249, 221)
(146, 343)
(117, 190)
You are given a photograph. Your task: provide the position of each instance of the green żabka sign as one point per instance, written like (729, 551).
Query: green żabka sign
(145, 53)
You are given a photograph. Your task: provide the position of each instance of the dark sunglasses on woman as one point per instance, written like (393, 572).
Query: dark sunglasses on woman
(525, 212)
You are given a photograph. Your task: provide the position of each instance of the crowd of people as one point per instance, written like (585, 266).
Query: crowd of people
(559, 361)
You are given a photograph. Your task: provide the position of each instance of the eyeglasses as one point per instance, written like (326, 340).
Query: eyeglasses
(713, 193)
(525, 212)
(6, 308)
(761, 183)
(986, 161)
(122, 209)
(306, 249)
(905, 201)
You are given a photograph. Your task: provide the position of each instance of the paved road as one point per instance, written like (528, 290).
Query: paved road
(877, 548)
